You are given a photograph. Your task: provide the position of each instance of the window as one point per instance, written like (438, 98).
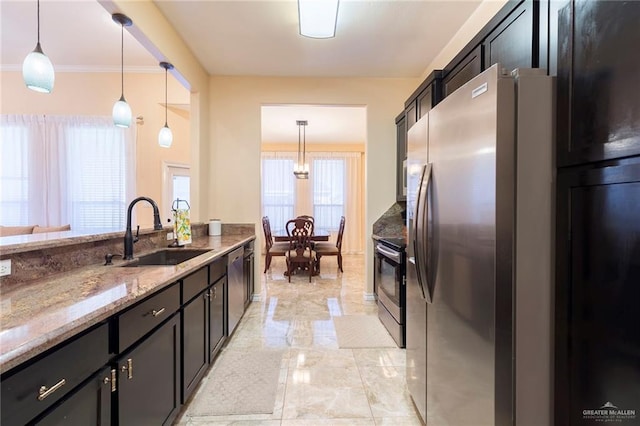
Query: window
(278, 191)
(96, 172)
(328, 192)
(177, 185)
(59, 170)
(14, 174)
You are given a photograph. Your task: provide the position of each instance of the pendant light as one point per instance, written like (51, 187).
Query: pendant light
(301, 169)
(37, 70)
(165, 137)
(121, 109)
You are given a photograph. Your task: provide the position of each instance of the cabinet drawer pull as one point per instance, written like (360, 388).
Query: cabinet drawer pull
(158, 312)
(44, 392)
(128, 368)
(111, 380)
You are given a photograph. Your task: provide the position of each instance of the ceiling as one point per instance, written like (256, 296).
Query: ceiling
(374, 38)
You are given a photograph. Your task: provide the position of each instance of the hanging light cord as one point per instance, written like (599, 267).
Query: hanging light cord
(298, 145)
(304, 144)
(165, 96)
(122, 60)
(38, 21)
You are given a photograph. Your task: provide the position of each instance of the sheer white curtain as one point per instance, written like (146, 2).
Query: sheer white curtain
(334, 189)
(278, 189)
(72, 170)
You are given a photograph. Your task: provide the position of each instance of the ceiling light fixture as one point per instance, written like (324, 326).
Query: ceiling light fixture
(301, 169)
(165, 137)
(318, 18)
(37, 70)
(121, 109)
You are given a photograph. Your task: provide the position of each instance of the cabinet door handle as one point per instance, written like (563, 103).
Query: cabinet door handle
(158, 312)
(214, 292)
(111, 380)
(207, 295)
(44, 392)
(128, 368)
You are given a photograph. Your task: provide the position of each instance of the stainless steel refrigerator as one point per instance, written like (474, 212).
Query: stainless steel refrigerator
(479, 256)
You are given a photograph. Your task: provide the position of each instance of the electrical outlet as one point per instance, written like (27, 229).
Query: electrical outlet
(169, 236)
(5, 267)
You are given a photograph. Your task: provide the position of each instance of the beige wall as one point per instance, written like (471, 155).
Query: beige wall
(95, 94)
(156, 34)
(483, 14)
(235, 132)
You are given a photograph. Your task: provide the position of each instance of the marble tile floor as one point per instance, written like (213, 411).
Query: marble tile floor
(319, 383)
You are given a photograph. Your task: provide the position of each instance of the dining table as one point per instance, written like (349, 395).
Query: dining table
(318, 235)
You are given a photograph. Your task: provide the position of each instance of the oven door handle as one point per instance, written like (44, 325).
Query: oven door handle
(391, 254)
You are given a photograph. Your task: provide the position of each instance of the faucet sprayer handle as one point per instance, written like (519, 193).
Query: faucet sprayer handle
(135, 240)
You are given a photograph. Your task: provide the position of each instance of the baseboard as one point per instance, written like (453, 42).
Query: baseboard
(369, 297)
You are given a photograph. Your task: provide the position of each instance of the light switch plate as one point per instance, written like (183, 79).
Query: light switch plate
(5, 267)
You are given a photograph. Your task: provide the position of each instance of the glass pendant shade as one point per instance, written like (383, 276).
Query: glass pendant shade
(121, 113)
(165, 137)
(121, 110)
(37, 69)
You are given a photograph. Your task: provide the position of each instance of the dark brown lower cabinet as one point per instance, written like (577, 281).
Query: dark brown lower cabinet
(195, 349)
(88, 405)
(598, 293)
(217, 317)
(149, 378)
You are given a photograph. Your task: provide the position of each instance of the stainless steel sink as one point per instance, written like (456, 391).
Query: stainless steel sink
(166, 257)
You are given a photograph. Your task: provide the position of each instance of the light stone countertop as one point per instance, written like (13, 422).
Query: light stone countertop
(40, 314)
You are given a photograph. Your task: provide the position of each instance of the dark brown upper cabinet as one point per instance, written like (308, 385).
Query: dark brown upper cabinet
(469, 67)
(598, 81)
(513, 43)
(401, 157)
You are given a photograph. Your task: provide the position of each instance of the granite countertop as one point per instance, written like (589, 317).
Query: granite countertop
(38, 315)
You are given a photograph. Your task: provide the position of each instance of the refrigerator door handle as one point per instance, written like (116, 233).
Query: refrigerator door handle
(430, 246)
(416, 261)
(423, 263)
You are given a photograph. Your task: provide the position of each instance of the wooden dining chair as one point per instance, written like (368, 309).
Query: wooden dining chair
(300, 253)
(273, 249)
(330, 249)
(309, 218)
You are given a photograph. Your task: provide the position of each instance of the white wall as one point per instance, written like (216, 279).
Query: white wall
(235, 132)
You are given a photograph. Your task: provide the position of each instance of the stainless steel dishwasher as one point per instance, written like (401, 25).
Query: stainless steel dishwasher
(236, 288)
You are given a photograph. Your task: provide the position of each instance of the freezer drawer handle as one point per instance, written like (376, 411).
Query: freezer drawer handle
(44, 392)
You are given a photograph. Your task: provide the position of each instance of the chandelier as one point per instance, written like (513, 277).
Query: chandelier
(301, 169)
